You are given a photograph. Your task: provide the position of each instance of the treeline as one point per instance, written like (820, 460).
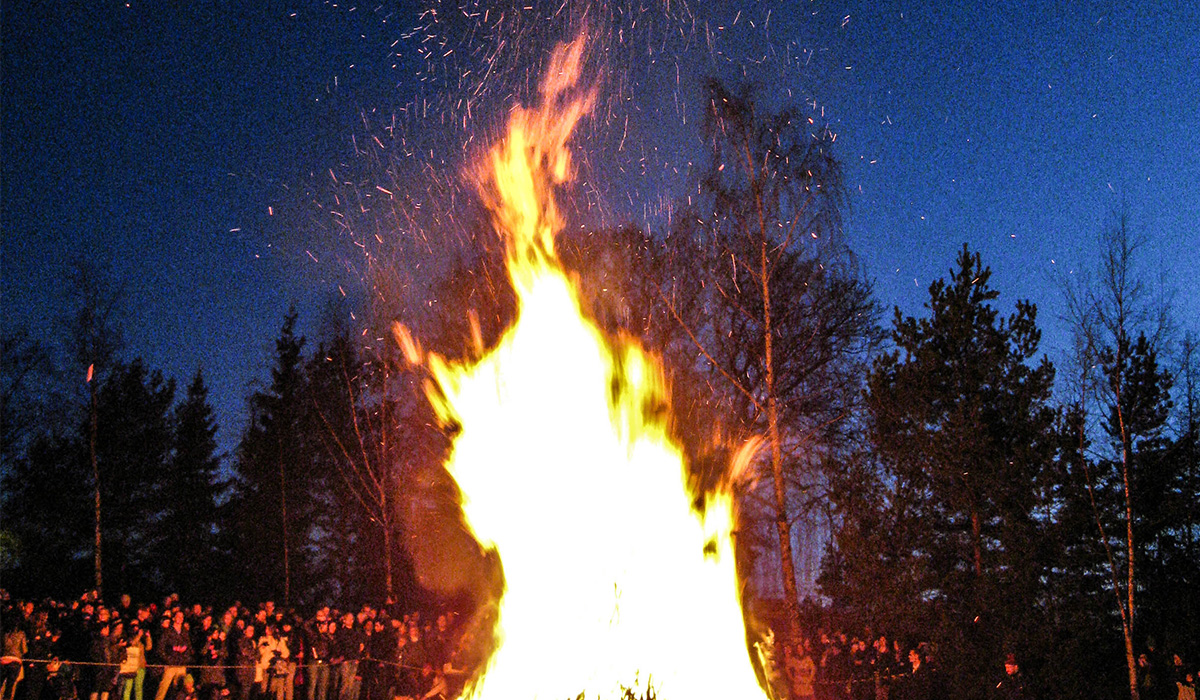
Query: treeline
(969, 491)
(305, 509)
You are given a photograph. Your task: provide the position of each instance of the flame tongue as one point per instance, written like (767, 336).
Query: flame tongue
(533, 159)
(583, 495)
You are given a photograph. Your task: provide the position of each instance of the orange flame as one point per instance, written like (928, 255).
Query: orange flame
(613, 579)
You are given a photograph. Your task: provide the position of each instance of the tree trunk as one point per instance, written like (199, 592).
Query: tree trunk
(95, 476)
(791, 603)
(1131, 663)
(975, 542)
(287, 572)
(1130, 659)
(1128, 618)
(387, 555)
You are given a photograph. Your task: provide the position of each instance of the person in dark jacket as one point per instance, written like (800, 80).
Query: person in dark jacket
(60, 682)
(917, 684)
(348, 644)
(43, 644)
(104, 677)
(245, 659)
(439, 641)
(317, 648)
(1012, 683)
(382, 649)
(212, 657)
(176, 647)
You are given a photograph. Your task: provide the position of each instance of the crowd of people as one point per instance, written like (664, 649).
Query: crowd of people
(169, 651)
(836, 666)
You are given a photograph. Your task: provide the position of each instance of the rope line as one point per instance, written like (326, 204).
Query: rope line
(299, 665)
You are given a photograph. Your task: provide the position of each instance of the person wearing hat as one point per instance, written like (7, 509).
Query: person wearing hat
(1012, 684)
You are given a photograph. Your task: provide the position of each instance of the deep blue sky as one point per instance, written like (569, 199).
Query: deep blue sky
(188, 146)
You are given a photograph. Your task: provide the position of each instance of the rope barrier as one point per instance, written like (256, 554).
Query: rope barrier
(299, 665)
(117, 664)
(872, 679)
(395, 664)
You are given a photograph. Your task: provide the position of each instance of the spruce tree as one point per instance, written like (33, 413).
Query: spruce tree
(963, 426)
(47, 512)
(189, 552)
(133, 447)
(274, 505)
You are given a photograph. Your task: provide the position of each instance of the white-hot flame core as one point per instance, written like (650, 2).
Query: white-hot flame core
(612, 579)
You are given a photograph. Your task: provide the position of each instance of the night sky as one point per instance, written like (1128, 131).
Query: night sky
(198, 150)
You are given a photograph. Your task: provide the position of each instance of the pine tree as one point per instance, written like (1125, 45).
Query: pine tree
(189, 557)
(274, 504)
(47, 510)
(133, 447)
(964, 429)
(1158, 469)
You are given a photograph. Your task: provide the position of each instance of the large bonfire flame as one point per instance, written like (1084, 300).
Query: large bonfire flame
(614, 580)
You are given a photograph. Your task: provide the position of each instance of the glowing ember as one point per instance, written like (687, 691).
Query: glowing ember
(613, 580)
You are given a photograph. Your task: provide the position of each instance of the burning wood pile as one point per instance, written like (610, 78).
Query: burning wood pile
(623, 578)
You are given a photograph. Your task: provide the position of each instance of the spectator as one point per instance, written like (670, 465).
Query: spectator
(348, 645)
(1149, 683)
(16, 645)
(200, 628)
(246, 660)
(775, 668)
(416, 654)
(1012, 683)
(831, 670)
(862, 686)
(317, 649)
(176, 647)
(212, 656)
(270, 669)
(41, 646)
(1185, 685)
(439, 643)
(383, 649)
(186, 689)
(132, 671)
(104, 673)
(293, 638)
(119, 641)
(405, 685)
(917, 684)
(60, 682)
(804, 675)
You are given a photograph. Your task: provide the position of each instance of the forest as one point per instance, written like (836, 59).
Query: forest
(965, 488)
